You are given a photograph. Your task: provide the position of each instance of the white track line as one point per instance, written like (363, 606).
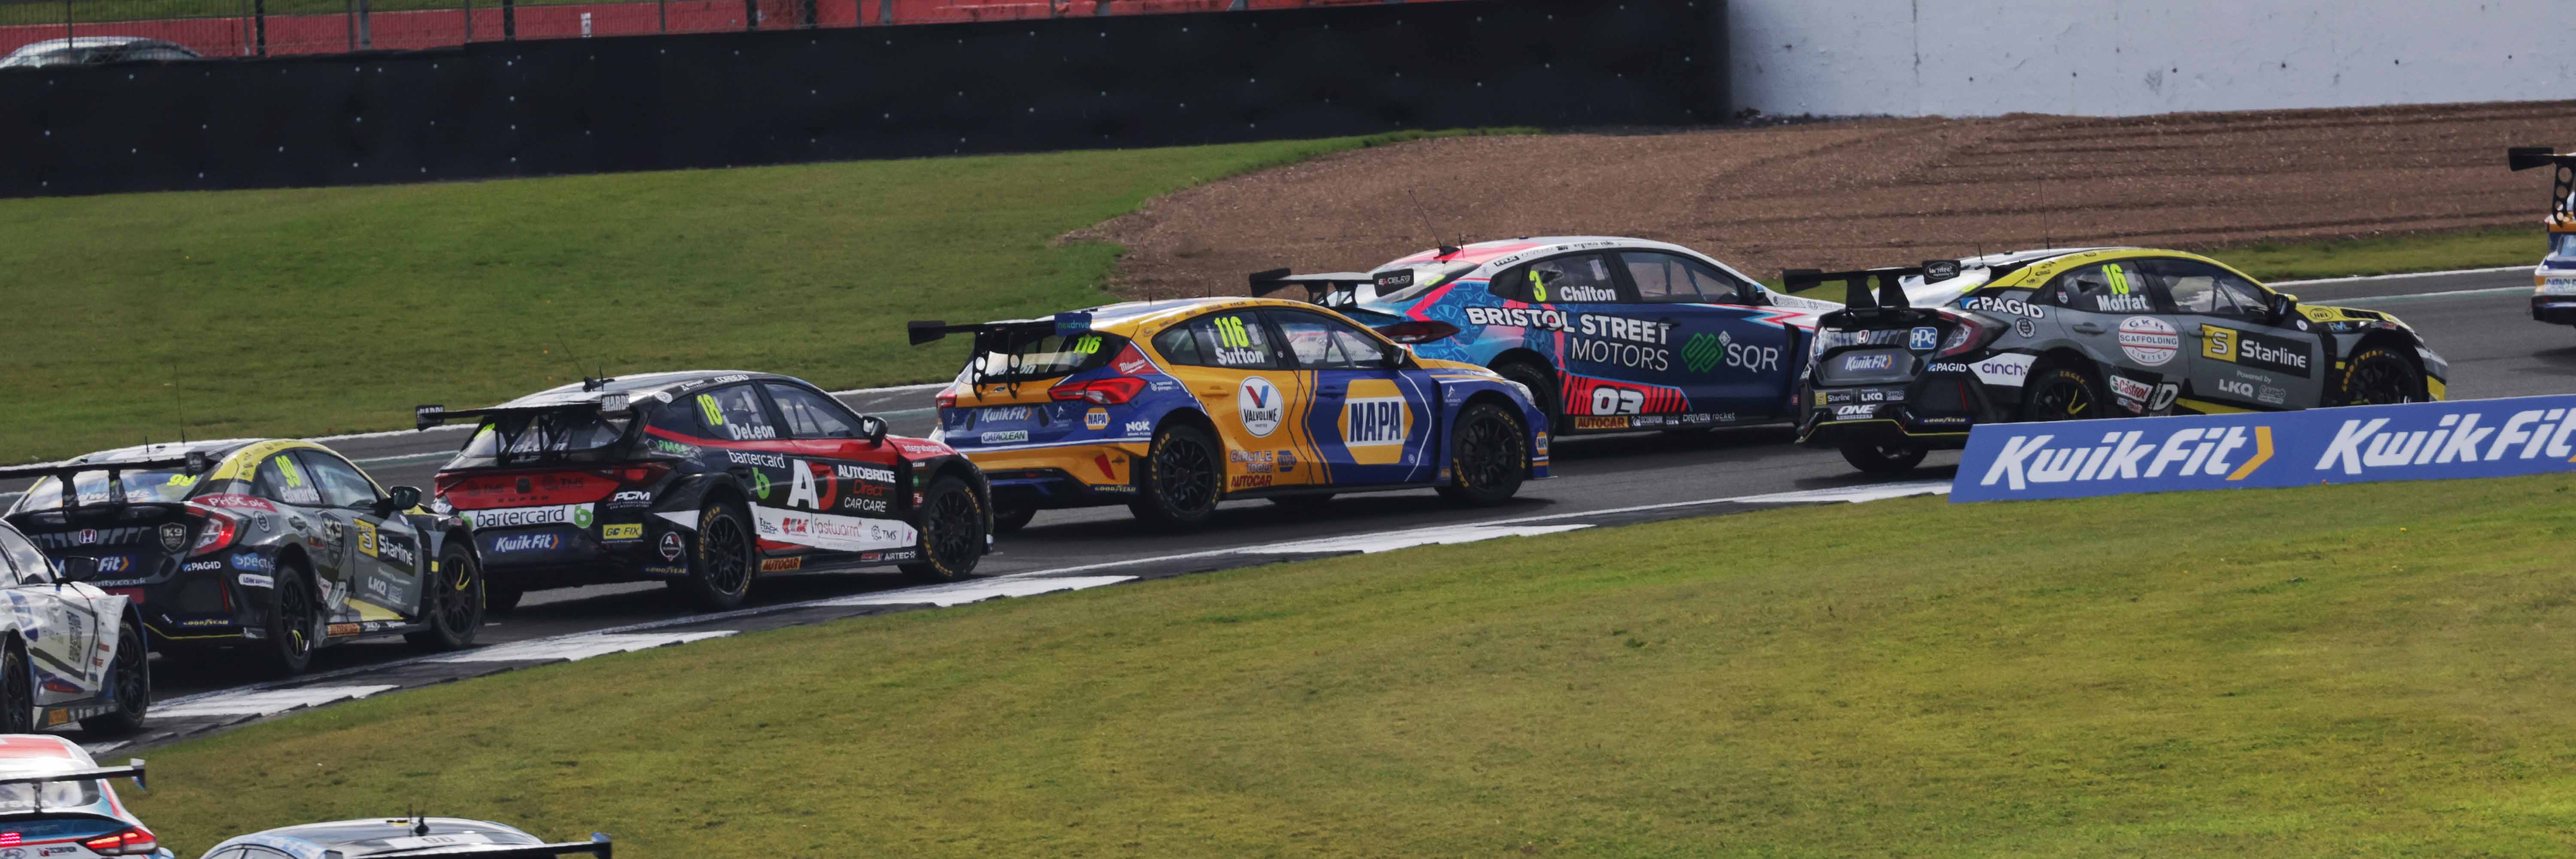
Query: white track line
(2427, 296)
(2368, 278)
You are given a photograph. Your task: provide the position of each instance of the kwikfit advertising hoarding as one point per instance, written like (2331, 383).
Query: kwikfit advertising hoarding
(2417, 441)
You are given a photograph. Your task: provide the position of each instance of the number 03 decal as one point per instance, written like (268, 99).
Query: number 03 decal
(1617, 401)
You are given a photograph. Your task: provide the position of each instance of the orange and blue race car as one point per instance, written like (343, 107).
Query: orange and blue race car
(1170, 407)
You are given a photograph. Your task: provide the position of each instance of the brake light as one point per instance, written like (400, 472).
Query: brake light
(1108, 392)
(134, 841)
(642, 475)
(1418, 331)
(1970, 334)
(947, 398)
(216, 534)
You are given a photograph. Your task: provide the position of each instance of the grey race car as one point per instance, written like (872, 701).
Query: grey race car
(2082, 334)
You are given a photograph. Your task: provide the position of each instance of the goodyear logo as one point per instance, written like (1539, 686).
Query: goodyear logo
(2415, 441)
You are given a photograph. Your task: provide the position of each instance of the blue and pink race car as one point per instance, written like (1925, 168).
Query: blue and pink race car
(1608, 334)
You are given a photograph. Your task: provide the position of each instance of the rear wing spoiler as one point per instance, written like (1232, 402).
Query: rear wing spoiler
(2527, 157)
(598, 845)
(1003, 338)
(132, 769)
(425, 417)
(1890, 291)
(1324, 289)
(195, 463)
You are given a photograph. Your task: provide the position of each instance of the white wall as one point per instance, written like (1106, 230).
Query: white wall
(2129, 57)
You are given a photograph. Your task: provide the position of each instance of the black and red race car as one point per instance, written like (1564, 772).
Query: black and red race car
(703, 480)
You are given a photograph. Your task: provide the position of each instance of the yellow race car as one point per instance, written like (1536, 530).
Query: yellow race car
(1170, 407)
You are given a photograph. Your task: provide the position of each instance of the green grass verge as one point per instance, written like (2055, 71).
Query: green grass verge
(312, 311)
(2271, 261)
(2339, 670)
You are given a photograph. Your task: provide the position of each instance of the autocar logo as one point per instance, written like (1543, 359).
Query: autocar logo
(1259, 407)
(2149, 341)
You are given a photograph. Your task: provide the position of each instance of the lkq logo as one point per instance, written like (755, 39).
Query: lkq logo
(1259, 407)
(2237, 388)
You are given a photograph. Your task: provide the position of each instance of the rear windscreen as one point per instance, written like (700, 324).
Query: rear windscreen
(1008, 357)
(91, 488)
(55, 794)
(515, 439)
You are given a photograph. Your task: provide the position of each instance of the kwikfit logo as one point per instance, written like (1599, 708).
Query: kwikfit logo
(2209, 451)
(2368, 444)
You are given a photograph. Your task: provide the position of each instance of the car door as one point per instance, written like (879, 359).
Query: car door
(1372, 420)
(380, 554)
(847, 485)
(58, 623)
(280, 477)
(2240, 356)
(1614, 362)
(1723, 361)
(2120, 316)
(739, 416)
(1230, 360)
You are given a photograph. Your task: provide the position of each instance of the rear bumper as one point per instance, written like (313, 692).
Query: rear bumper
(1931, 412)
(2554, 309)
(1053, 478)
(554, 556)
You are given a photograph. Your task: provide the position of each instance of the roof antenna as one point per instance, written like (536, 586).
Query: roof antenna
(1425, 214)
(419, 824)
(178, 403)
(588, 383)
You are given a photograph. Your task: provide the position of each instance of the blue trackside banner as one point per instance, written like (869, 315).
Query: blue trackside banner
(2355, 444)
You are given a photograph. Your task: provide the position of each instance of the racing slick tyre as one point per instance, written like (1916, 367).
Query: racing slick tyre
(1488, 457)
(296, 624)
(130, 684)
(1542, 388)
(1883, 458)
(2378, 375)
(726, 557)
(500, 598)
(952, 532)
(17, 691)
(1183, 476)
(2063, 393)
(453, 602)
(1011, 519)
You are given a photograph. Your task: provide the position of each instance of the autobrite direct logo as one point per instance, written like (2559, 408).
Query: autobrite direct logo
(2418, 441)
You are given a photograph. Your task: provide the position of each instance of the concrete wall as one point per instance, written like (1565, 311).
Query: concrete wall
(2130, 57)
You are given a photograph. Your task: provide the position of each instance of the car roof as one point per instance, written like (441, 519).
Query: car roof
(214, 449)
(364, 836)
(89, 42)
(630, 384)
(41, 753)
(1126, 316)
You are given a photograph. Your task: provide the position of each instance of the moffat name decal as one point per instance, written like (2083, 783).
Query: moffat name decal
(2417, 441)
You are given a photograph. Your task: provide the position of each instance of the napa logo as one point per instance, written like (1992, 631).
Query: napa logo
(1376, 420)
(1259, 406)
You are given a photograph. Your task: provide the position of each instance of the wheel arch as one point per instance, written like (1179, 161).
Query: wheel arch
(1529, 434)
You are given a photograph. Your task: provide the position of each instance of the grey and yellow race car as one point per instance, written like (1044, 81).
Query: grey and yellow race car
(274, 547)
(1922, 353)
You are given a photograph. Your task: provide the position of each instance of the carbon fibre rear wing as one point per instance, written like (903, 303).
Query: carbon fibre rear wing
(598, 845)
(1890, 289)
(132, 769)
(425, 417)
(195, 463)
(998, 338)
(1324, 289)
(2527, 157)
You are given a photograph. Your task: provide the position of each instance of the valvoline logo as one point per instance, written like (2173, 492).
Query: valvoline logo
(1259, 406)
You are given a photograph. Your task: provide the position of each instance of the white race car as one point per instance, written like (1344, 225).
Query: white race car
(69, 652)
(55, 802)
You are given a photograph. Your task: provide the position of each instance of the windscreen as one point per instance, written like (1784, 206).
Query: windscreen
(525, 438)
(1008, 357)
(141, 487)
(2562, 244)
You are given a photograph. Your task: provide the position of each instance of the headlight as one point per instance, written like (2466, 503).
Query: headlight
(2557, 286)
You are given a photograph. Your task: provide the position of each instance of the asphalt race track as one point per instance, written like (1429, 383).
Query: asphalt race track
(2478, 320)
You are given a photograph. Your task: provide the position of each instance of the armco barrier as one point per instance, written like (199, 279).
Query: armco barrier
(2357, 444)
(735, 99)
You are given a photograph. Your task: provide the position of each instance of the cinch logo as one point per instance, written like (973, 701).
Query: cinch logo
(1257, 405)
(2208, 451)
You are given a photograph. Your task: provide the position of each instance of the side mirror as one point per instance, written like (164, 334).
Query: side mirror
(2283, 304)
(400, 498)
(75, 569)
(873, 429)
